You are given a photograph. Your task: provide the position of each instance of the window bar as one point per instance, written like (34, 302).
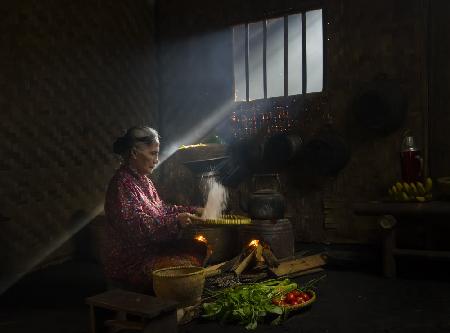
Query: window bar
(304, 82)
(265, 58)
(247, 75)
(324, 47)
(286, 55)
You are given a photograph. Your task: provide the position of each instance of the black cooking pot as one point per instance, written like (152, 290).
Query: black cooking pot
(265, 203)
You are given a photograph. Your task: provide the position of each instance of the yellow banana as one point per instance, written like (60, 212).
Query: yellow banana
(421, 199)
(399, 186)
(407, 187)
(421, 188)
(405, 197)
(414, 189)
(394, 189)
(428, 184)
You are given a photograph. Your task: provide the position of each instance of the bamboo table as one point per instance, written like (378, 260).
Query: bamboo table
(389, 213)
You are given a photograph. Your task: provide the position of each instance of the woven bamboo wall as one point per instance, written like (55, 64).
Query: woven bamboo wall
(74, 75)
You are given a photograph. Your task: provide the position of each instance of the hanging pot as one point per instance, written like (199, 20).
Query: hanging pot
(282, 148)
(380, 107)
(326, 153)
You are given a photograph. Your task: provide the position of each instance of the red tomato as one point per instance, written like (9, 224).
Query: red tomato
(295, 302)
(296, 292)
(290, 297)
(305, 296)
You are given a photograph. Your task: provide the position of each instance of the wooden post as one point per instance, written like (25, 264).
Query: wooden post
(388, 223)
(92, 315)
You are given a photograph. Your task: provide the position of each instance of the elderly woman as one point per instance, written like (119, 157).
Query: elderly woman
(142, 230)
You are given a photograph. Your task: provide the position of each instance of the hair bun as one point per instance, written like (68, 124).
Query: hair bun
(121, 145)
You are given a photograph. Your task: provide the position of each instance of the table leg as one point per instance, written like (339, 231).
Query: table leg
(92, 315)
(388, 222)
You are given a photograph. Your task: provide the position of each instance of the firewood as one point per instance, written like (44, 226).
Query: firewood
(258, 253)
(214, 270)
(208, 255)
(237, 260)
(270, 258)
(297, 265)
(244, 263)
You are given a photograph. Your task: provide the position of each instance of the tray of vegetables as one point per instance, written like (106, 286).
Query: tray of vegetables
(250, 304)
(295, 299)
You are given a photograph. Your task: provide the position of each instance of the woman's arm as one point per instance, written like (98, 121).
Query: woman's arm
(125, 208)
(183, 209)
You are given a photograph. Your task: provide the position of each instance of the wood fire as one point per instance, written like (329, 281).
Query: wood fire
(201, 238)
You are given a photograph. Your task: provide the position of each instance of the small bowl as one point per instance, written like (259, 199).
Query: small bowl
(183, 284)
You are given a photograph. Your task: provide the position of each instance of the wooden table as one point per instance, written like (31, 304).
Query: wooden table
(389, 213)
(154, 314)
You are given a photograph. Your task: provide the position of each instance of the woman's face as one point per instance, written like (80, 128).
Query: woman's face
(145, 158)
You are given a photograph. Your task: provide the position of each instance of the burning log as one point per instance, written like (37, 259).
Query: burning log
(202, 239)
(238, 259)
(225, 266)
(269, 257)
(244, 263)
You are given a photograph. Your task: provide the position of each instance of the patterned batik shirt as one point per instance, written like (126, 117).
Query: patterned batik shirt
(138, 223)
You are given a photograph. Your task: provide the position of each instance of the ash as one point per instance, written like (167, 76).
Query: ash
(222, 281)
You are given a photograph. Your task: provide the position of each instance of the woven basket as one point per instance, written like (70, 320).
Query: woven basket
(183, 284)
(302, 305)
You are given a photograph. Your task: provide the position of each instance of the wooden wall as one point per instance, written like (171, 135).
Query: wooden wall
(366, 40)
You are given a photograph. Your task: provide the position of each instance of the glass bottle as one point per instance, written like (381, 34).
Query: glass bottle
(411, 160)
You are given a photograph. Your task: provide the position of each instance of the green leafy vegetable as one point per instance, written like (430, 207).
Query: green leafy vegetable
(248, 304)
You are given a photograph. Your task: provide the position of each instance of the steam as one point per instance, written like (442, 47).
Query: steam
(217, 197)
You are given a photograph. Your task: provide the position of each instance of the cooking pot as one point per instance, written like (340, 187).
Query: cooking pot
(264, 203)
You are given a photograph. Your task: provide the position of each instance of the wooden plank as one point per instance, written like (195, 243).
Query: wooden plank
(422, 253)
(374, 208)
(300, 264)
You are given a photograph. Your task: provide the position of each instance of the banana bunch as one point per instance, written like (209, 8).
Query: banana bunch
(414, 191)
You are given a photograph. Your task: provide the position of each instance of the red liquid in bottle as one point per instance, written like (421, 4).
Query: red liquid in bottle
(411, 163)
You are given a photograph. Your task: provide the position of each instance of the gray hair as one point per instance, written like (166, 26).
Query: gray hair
(135, 137)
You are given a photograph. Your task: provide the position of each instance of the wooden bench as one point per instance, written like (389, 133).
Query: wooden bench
(119, 309)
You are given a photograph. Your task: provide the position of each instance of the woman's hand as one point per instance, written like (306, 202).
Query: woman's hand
(186, 219)
(199, 211)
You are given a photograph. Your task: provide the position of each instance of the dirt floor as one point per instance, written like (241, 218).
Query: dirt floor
(352, 298)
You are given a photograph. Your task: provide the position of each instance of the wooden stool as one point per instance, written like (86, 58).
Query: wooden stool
(153, 314)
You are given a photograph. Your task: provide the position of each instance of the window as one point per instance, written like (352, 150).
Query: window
(279, 56)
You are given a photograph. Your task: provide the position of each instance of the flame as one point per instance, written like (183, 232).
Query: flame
(254, 243)
(201, 238)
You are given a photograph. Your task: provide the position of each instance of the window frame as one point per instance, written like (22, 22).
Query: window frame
(284, 14)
